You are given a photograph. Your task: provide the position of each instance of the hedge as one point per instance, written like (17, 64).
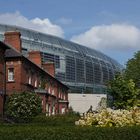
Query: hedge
(35, 132)
(58, 120)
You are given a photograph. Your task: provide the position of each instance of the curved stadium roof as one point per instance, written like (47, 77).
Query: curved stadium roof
(87, 66)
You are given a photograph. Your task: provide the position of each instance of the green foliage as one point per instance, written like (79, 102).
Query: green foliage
(22, 107)
(62, 128)
(30, 132)
(124, 92)
(57, 120)
(132, 70)
(71, 112)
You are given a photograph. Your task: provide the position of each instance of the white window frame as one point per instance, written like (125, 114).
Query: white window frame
(11, 75)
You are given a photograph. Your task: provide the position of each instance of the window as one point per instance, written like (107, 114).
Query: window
(59, 94)
(80, 74)
(11, 74)
(30, 80)
(36, 83)
(49, 90)
(70, 69)
(51, 58)
(53, 92)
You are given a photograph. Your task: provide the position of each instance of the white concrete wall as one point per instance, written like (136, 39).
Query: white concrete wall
(82, 102)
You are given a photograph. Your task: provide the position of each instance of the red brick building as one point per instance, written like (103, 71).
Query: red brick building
(2, 73)
(22, 74)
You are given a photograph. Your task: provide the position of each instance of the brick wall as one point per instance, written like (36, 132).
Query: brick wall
(15, 85)
(1, 104)
(23, 71)
(1, 69)
(1, 78)
(29, 75)
(63, 107)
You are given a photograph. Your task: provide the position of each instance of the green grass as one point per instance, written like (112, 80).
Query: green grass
(63, 128)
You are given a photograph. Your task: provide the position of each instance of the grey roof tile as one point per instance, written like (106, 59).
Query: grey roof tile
(12, 53)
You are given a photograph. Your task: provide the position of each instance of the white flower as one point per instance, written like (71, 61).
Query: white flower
(109, 117)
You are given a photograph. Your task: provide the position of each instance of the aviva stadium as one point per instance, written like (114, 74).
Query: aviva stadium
(82, 69)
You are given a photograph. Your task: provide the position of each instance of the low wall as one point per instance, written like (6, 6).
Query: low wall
(82, 102)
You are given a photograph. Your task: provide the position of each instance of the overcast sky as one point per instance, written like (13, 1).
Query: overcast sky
(110, 26)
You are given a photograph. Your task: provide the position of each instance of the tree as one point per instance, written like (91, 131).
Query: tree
(132, 70)
(21, 107)
(124, 92)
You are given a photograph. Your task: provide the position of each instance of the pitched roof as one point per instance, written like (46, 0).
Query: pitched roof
(2, 44)
(12, 53)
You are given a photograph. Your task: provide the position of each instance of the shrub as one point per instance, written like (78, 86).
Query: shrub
(57, 120)
(71, 112)
(108, 118)
(21, 107)
(31, 132)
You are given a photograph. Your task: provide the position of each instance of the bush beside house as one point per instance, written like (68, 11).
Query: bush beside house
(21, 107)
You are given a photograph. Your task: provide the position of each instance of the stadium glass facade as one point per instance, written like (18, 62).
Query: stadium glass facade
(83, 69)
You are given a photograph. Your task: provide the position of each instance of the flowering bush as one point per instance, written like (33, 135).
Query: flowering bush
(109, 117)
(22, 107)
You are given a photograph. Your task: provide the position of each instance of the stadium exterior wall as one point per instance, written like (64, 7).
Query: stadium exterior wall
(83, 69)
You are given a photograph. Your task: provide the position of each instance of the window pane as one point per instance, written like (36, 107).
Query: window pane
(11, 74)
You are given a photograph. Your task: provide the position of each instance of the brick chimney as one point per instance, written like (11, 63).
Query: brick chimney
(13, 39)
(49, 67)
(35, 57)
